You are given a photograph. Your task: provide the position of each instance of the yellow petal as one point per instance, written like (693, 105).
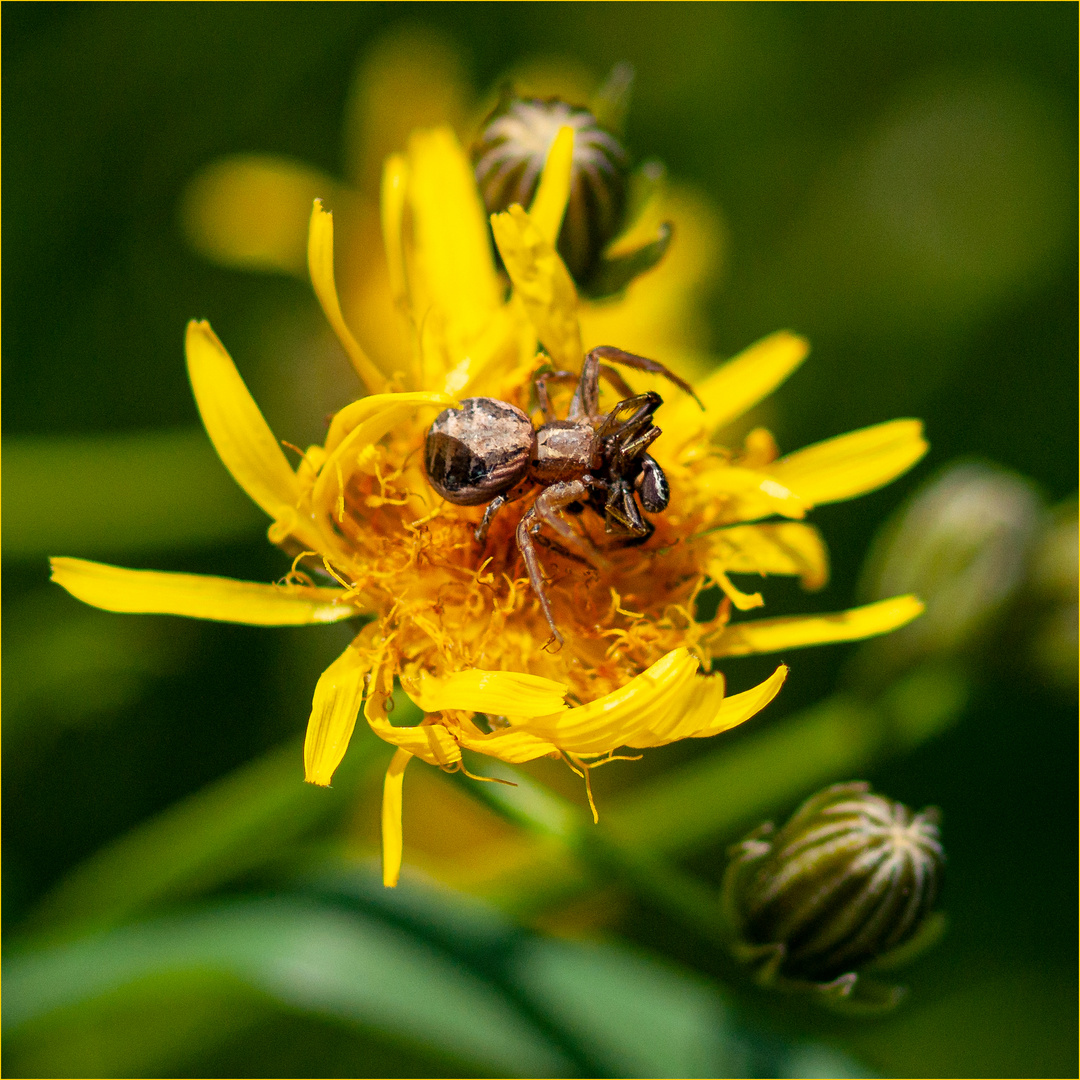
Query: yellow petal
(747, 494)
(240, 435)
(784, 548)
(221, 599)
(251, 211)
(321, 268)
(795, 632)
(395, 179)
(391, 817)
(501, 693)
(453, 249)
(431, 742)
(625, 715)
(508, 744)
(852, 464)
(362, 424)
(338, 695)
(543, 284)
(739, 707)
(392, 408)
(697, 706)
(741, 383)
(704, 715)
(549, 203)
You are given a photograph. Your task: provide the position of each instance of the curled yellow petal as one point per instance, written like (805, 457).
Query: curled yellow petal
(552, 194)
(431, 742)
(321, 267)
(786, 548)
(739, 707)
(334, 709)
(392, 408)
(853, 464)
(743, 601)
(507, 744)
(798, 631)
(740, 384)
(362, 424)
(392, 841)
(501, 693)
(625, 715)
(705, 715)
(543, 284)
(236, 427)
(196, 596)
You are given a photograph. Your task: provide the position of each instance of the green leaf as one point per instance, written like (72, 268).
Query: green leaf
(312, 957)
(244, 820)
(422, 963)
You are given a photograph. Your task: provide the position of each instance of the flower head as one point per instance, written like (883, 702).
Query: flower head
(457, 624)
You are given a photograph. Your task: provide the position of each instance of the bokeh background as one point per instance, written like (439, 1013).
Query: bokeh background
(897, 182)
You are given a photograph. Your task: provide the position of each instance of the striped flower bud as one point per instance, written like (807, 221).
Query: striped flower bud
(851, 878)
(509, 156)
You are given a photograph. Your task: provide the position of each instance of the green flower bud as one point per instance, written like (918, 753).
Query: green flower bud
(509, 157)
(849, 881)
(960, 543)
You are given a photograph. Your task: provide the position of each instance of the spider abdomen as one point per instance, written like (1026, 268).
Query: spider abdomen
(477, 452)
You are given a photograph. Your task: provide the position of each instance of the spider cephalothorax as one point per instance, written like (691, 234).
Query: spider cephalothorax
(489, 452)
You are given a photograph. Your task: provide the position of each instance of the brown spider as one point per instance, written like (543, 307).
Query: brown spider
(489, 452)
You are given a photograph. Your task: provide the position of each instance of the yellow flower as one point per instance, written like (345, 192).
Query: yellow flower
(459, 626)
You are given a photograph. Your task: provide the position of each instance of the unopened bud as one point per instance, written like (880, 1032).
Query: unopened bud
(850, 880)
(960, 544)
(509, 157)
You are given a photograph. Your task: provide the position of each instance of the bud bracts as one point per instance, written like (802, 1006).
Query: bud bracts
(509, 156)
(851, 877)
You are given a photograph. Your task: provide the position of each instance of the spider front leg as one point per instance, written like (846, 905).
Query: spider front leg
(545, 511)
(588, 388)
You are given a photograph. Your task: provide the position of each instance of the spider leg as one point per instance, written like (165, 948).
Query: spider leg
(631, 360)
(540, 385)
(545, 510)
(616, 381)
(643, 406)
(489, 513)
(639, 443)
(622, 517)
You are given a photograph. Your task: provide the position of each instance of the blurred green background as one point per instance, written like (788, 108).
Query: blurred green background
(896, 182)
